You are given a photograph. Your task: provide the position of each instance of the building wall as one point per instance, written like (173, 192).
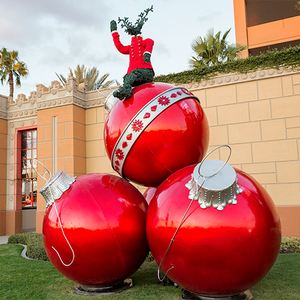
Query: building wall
(257, 114)
(255, 29)
(20, 115)
(3, 165)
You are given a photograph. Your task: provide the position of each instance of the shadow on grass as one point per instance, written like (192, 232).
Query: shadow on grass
(26, 279)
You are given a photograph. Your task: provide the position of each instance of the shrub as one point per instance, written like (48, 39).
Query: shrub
(290, 245)
(34, 242)
(20, 238)
(273, 59)
(36, 249)
(149, 257)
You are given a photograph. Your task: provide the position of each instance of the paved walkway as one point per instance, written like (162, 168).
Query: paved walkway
(3, 239)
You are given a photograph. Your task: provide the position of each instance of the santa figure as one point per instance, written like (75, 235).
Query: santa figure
(140, 69)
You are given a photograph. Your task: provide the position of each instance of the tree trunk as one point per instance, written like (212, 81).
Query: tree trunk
(11, 84)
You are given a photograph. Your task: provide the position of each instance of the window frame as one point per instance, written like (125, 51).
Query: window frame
(18, 165)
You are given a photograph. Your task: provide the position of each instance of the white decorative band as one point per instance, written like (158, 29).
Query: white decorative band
(141, 120)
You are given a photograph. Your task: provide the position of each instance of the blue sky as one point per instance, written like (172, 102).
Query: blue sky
(53, 35)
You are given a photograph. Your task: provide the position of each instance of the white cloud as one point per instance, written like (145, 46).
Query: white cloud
(53, 35)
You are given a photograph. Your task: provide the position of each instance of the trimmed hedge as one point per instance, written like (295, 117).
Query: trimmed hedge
(290, 245)
(36, 250)
(34, 242)
(287, 58)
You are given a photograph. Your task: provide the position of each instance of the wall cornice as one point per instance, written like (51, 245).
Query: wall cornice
(73, 94)
(234, 78)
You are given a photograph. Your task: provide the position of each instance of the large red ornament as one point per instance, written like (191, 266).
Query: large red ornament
(159, 130)
(103, 236)
(221, 248)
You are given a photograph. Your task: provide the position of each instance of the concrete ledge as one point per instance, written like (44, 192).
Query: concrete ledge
(24, 252)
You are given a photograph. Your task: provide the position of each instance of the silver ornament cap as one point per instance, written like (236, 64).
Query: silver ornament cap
(55, 187)
(110, 101)
(214, 183)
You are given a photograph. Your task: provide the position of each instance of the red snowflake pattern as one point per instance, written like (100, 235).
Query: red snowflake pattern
(163, 100)
(119, 154)
(137, 125)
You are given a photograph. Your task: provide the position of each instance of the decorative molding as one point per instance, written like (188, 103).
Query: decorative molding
(57, 95)
(233, 78)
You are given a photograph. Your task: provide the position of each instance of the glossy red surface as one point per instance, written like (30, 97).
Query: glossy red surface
(215, 253)
(149, 193)
(178, 137)
(104, 220)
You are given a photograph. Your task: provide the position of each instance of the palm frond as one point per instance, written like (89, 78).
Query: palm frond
(213, 49)
(62, 79)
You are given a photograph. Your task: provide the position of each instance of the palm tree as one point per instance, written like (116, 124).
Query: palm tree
(88, 76)
(10, 68)
(213, 50)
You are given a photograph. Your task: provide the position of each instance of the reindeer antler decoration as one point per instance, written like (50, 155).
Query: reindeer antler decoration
(137, 27)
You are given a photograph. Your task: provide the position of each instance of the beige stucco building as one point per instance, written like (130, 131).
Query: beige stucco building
(257, 114)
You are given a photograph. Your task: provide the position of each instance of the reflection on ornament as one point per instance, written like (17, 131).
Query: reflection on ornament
(94, 229)
(213, 251)
(149, 193)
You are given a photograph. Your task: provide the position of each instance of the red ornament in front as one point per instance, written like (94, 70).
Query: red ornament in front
(159, 130)
(94, 234)
(222, 248)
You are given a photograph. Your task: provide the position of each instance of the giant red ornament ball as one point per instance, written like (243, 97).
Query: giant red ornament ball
(215, 253)
(159, 130)
(103, 220)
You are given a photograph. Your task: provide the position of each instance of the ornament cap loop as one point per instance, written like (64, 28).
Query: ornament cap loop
(55, 187)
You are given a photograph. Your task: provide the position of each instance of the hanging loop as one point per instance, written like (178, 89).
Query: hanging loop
(46, 170)
(220, 167)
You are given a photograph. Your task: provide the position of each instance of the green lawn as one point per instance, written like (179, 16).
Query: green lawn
(28, 279)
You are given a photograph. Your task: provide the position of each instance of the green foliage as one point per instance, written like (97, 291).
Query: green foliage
(137, 27)
(287, 58)
(29, 279)
(290, 245)
(35, 247)
(34, 242)
(149, 257)
(20, 238)
(213, 50)
(11, 68)
(88, 76)
(133, 79)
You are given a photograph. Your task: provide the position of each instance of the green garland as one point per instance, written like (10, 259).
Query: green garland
(287, 58)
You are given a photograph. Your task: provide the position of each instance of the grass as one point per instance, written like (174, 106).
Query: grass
(28, 279)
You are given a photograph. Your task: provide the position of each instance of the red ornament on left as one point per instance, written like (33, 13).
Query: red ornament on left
(94, 228)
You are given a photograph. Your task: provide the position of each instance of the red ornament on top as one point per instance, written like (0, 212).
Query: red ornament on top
(159, 130)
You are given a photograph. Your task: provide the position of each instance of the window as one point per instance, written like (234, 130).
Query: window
(28, 169)
(264, 11)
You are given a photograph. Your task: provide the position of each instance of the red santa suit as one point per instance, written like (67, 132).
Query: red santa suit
(135, 51)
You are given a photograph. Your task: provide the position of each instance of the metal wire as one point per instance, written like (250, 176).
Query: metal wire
(58, 217)
(182, 220)
(172, 239)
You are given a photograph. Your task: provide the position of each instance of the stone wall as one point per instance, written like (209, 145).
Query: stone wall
(257, 114)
